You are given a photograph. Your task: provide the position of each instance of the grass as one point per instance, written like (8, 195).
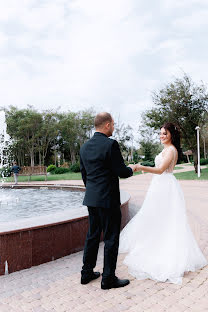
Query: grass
(178, 168)
(138, 172)
(52, 177)
(191, 175)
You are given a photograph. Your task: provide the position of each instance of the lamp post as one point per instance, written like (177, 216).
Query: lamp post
(198, 150)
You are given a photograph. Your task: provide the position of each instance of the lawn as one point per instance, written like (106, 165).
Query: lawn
(191, 175)
(52, 177)
(178, 168)
(138, 172)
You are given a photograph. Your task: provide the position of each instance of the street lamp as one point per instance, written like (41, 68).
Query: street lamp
(198, 150)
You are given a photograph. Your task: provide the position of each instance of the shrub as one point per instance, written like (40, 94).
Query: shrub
(75, 167)
(65, 165)
(60, 170)
(203, 161)
(51, 168)
(148, 163)
(5, 172)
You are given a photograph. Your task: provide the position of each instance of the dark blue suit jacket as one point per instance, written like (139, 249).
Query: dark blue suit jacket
(101, 163)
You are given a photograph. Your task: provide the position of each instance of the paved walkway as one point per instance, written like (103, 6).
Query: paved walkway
(55, 286)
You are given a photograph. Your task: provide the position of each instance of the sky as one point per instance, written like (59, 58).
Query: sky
(109, 55)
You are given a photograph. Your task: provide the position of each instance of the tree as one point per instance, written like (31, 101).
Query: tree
(47, 134)
(84, 125)
(183, 103)
(35, 135)
(32, 133)
(149, 150)
(23, 126)
(124, 135)
(204, 135)
(148, 141)
(74, 129)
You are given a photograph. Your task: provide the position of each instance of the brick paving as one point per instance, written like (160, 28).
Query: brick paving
(55, 286)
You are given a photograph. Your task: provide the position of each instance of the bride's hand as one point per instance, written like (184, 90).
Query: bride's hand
(138, 167)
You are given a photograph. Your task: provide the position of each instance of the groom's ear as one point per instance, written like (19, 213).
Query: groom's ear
(107, 125)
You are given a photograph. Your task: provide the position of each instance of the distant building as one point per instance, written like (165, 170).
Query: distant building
(4, 140)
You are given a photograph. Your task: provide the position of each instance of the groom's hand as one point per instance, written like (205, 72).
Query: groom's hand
(133, 167)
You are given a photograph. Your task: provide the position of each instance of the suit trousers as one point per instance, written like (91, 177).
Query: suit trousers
(108, 221)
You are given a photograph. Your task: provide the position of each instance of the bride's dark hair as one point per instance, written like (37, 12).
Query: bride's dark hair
(175, 136)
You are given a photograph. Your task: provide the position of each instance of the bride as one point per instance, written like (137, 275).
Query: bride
(158, 240)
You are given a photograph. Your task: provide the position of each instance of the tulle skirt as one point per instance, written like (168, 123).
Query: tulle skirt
(158, 239)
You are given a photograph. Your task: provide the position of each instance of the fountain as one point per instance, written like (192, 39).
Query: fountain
(4, 140)
(47, 235)
(36, 226)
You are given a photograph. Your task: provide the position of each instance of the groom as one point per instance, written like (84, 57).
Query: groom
(101, 164)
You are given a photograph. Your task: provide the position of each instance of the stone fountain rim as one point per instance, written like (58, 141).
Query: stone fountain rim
(65, 216)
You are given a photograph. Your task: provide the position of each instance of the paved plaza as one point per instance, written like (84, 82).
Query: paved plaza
(55, 286)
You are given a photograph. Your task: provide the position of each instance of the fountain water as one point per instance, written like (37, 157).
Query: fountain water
(4, 140)
(6, 272)
(23, 203)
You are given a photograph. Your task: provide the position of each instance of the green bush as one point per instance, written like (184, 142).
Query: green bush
(203, 161)
(75, 167)
(148, 163)
(5, 172)
(51, 168)
(60, 170)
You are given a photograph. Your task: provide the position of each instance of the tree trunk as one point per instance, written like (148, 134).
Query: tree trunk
(55, 157)
(205, 154)
(32, 161)
(43, 160)
(73, 158)
(23, 159)
(19, 160)
(195, 159)
(40, 158)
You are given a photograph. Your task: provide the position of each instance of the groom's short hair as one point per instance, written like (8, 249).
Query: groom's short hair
(102, 118)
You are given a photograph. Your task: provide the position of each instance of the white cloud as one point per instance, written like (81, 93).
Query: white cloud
(197, 21)
(3, 39)
(107, 54)
(182, 4)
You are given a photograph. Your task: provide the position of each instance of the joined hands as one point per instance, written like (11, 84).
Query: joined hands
(136, 167)
(133, 167)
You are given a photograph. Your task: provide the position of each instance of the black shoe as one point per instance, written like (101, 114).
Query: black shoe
(91, 277)
(114, 283)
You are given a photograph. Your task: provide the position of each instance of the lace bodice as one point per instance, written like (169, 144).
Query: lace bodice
(159, 159)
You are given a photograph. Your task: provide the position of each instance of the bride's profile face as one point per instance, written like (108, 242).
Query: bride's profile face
(165, 136)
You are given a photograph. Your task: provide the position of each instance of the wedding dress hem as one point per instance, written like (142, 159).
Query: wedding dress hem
(161, 278)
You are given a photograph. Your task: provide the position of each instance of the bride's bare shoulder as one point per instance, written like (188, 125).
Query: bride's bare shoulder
(170, 147)
(174, 148)
(168, 150)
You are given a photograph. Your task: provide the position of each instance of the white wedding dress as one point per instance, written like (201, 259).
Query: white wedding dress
(158, 238)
